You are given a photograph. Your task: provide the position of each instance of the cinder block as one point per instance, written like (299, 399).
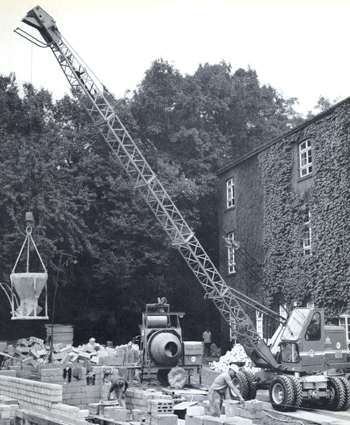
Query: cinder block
(230, 408)
(160, 406)
(164, 419)
(210, 420)
(194, 420)
(8, 400)
(94, 409)
(8, 372)
(108, 412)
(195, 411)
(121, 414)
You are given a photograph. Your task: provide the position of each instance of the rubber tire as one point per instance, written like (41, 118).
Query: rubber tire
(252, 384)
(337, 401)
(240, 381)
(346, 384)
(282, 393)
(298, 392)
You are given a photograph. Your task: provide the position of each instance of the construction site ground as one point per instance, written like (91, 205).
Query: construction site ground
(306, 415)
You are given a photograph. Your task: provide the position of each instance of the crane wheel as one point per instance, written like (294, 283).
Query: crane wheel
(298, 392)
(282, 393)
(241, 382)
(251, 384)
(346, 385)
(336, 388)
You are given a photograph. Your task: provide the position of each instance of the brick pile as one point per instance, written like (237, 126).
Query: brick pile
(33, 351)
(251, 414)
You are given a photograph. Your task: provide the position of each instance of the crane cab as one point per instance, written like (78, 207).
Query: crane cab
(307, 345)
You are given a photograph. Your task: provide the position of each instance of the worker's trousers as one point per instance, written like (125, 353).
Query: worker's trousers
(216, 399)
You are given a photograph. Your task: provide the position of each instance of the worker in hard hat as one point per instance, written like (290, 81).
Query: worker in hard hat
(221, 388)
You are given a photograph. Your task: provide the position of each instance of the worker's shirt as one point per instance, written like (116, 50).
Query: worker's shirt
(207, 337)
(221, 382)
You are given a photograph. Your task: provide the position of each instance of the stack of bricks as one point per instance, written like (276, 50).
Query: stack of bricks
(249, 414)
(109, 413)
(31, 393)
(138, 399)
(252, 409)
(160, 412)
(77, 387)
(8, 410)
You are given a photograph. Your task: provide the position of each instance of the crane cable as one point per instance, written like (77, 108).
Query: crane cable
(30, 101)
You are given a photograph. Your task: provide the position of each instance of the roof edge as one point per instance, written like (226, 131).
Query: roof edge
(277, 139)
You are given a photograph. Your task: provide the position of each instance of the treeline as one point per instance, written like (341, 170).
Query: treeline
(54, 163)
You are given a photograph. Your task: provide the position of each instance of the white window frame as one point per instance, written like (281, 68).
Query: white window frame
(344, 321)
(305, 158)
(231, 264)
(307, 234)
(230, 193)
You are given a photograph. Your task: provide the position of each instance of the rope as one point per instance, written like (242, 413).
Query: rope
(28, 238)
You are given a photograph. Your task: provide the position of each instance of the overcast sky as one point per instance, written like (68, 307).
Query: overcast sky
(300, 47)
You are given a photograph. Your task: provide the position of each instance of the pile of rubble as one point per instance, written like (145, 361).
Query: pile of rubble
(237, 356)
(33, 351)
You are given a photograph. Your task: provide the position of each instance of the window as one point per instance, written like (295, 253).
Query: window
(305, 158)
(344, 321)
(230, 193)
(313, 332)
(307, 233)
(289, 353)
(231, 253)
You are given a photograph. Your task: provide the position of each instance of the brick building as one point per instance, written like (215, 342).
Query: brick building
(284, 216)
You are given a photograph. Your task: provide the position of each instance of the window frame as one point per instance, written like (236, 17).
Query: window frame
(230, 193)
(305, 158)
(344, 321)
(231, 263)
(307, 235)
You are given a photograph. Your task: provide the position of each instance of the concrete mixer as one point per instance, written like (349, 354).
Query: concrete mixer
(162, 346)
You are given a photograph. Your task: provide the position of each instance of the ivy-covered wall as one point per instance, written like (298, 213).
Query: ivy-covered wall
(271, 201)
(323, 277)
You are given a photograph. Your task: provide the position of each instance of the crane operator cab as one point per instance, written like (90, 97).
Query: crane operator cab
(307, 345)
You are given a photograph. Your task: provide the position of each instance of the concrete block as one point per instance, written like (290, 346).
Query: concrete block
(254, 405)
(210, 420)
(8, 400)
(160, 406)
(121, 414)
(195, 411)
(164, 419)
(108, 412)
(8, 372)
(94, 409)
(194, 420)
(230, 408)
(137, 414)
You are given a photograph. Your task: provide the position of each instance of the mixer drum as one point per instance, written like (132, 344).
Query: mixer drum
(165, 348)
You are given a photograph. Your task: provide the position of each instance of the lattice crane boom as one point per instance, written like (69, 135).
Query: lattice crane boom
(100, 108)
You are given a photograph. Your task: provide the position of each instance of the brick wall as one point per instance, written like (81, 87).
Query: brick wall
(74, 382)
(41, 395)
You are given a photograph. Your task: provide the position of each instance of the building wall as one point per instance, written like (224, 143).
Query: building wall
(271, 204)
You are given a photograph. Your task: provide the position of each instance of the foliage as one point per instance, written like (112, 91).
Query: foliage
(55, 165)
(322, 277)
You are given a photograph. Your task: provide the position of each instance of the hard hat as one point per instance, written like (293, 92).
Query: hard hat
(234, 367)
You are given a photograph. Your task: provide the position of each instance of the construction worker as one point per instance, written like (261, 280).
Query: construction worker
(119, 386)
(207, 342)
(221, 389)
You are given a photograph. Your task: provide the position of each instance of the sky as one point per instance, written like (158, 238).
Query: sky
(299, 47)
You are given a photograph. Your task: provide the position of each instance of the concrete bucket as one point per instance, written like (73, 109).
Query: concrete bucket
(28, 287)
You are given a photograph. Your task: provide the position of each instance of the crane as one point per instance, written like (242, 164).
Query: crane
(100, 108)
(301, 370)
